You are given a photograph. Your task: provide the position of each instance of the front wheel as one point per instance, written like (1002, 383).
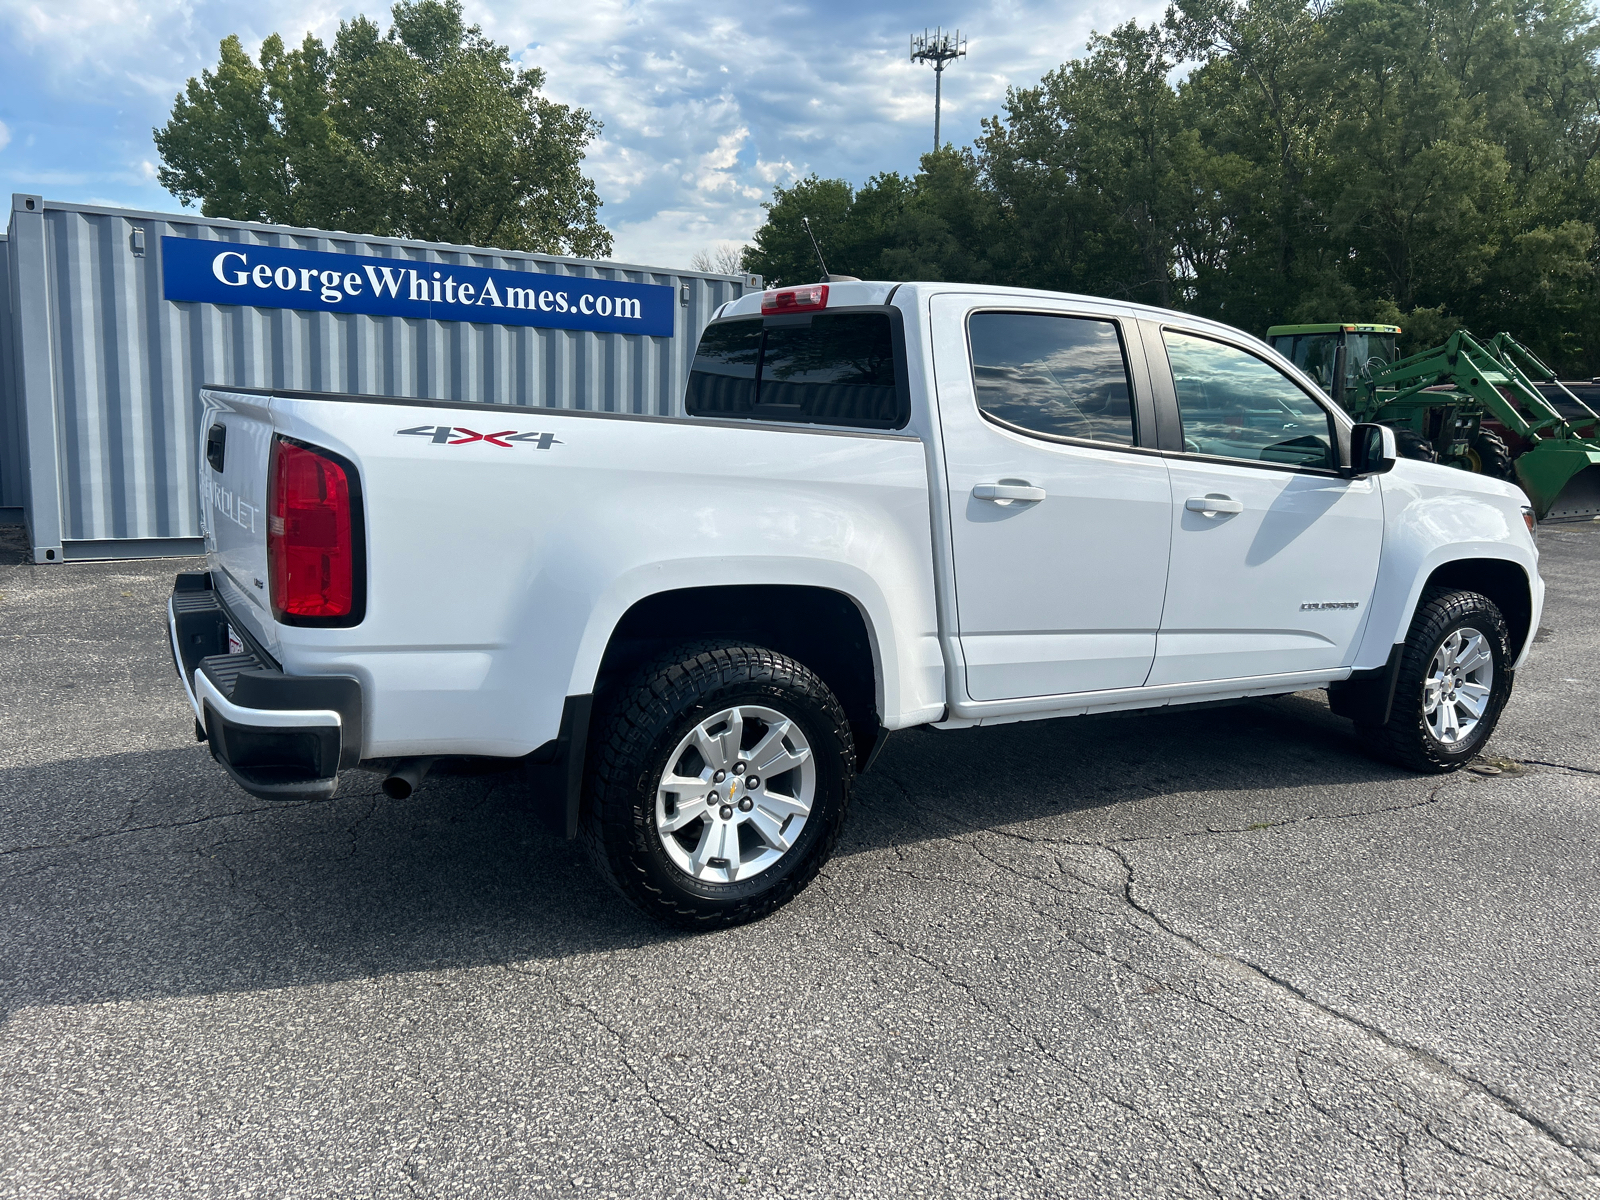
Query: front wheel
(1454, 680)
(720, 781)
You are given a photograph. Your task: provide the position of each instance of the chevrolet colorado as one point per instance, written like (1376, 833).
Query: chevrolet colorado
(887, 506)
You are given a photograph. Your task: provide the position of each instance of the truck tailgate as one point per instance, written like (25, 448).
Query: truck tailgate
(234, 455)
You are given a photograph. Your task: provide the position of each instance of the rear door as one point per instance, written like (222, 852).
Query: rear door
(1060, 510)
(235, 446)
(1274, 554)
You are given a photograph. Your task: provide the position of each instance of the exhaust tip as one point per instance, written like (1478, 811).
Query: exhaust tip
(406, 778)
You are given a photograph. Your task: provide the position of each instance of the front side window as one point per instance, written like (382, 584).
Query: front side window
(1235, 405)
(828, 369)
(1058, 376)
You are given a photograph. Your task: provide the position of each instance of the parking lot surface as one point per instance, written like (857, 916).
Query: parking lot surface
(1207, 953)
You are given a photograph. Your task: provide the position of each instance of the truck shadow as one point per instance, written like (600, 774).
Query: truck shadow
(146, 874)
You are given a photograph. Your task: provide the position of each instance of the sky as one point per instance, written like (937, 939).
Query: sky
(706, 105)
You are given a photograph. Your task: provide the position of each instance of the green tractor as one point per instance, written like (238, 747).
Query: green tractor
(1495, 408)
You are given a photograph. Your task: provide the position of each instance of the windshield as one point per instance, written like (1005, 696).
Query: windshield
(1366, 354)
(1313, 354)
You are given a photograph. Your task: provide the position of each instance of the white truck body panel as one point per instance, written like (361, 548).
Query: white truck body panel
(496, 575)
(1062, 595)
(1238, 588)
(497, 572)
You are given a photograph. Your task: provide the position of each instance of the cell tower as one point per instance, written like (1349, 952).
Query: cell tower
(939, 49)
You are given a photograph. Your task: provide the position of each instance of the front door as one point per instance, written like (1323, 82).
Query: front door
(1274, 555)
(1060, 523)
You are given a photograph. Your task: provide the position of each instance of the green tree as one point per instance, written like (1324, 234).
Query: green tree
(1430, 162)
(936, 225)
(427, 132)
(1085, 170)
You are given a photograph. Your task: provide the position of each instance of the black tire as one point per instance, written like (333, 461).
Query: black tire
(1407, 738)
(641, 726)
(1413, 445)
(1492, 453)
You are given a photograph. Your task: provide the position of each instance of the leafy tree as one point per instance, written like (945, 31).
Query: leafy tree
(937, 224)
(427, 132)
(1430, 162)
(1085, 168)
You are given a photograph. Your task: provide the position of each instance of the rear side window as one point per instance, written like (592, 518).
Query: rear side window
(830, 369)
(1057, 376)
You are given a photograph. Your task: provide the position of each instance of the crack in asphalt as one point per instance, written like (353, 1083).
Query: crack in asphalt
(123, 831)
(408, 1168)
(1208, 831)
(1576, 1152)
(1539, 762)
(1213, 830)
(1003, 1015)
(1428, 1060)
(645, 1087)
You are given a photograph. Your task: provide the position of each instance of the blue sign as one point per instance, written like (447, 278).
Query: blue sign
(213, 272)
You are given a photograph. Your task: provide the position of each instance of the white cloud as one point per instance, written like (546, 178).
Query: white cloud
(707, 106)
(5, 136)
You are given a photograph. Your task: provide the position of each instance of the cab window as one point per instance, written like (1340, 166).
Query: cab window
(1052, 375)
(1235, 405)
(825, 369)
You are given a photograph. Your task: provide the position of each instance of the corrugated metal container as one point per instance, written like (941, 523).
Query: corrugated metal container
(11, 458)
(102, 373)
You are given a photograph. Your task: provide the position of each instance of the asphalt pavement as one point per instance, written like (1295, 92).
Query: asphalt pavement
(1207, 953)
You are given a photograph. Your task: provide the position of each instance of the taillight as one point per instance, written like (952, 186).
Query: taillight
(311, 554)
(796, 299)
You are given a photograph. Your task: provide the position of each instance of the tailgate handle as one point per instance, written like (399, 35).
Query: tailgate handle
(216, 446)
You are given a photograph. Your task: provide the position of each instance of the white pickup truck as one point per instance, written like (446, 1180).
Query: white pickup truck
(888, 506)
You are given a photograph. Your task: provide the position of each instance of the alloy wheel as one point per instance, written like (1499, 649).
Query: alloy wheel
(736, 794)
(1455, 692)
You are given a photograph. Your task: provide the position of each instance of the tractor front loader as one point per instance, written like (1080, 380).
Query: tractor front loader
(1474, 406)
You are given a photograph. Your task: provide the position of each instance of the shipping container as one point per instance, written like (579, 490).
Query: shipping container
(113, 320)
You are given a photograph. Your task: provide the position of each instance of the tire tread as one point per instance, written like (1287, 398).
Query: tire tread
(1403, 740)
(658, 694)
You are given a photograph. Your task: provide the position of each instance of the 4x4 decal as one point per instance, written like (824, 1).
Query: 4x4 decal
(460, 435)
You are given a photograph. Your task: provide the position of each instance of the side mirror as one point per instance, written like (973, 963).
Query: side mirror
(1372, 449)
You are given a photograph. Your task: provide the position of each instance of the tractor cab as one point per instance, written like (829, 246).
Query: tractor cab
(1338, 355)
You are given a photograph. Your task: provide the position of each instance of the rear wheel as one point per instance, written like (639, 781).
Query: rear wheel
(1455, 677)
(720, 782)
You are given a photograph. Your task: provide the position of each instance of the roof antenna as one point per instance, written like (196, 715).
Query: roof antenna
(826, 278)
(806, 221)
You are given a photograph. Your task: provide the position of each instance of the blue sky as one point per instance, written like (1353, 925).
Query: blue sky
(706, 104)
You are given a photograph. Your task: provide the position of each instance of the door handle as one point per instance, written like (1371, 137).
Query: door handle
(1007, 491)
(1212, 506)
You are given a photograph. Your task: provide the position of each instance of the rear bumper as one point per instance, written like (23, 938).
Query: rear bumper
(281, 737)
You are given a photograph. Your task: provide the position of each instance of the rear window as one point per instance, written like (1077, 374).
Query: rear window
(829, 369)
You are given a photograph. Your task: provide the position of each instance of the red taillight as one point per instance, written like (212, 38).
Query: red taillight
(795, 299)
(310, 551)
